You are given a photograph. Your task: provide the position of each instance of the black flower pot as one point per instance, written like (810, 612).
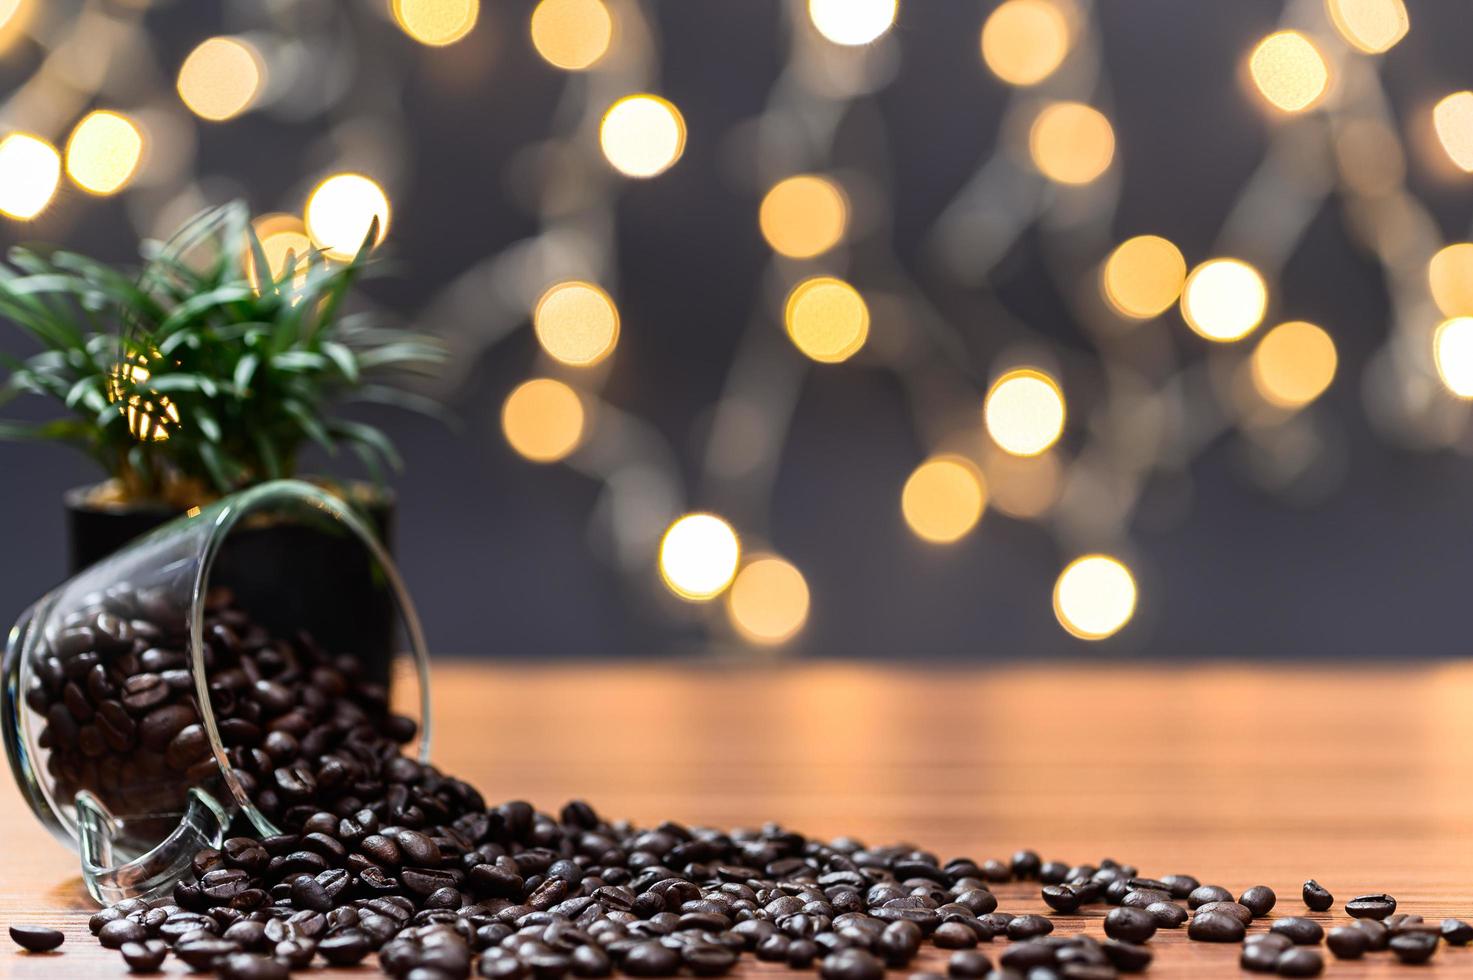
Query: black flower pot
(290, 576)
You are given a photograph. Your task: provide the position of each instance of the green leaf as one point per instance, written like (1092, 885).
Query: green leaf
(310, 424)
(181, 382)
(346, 363)
(358, 432)
(245, 370)
(197, 307)
(299, 360)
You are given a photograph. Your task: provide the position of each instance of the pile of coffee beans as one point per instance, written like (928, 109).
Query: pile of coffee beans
(381, 854)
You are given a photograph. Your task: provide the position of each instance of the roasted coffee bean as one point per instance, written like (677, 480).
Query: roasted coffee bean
(1061, 898)
(1414, 947)
(849, 964)
(1215, 927)
(1316, 897)
(1456, 932)
(1258, 958)
(709, 960)
(36, 939)
(589, 961)
(1377, 935)
(1130, 925)
(1260, 900)
(202, 954)
(1168, 915)
(1299, 930)
(250, 966)
(650, 960)
(1029, 926)
(1300, 963)
(1203, 894)
(1126, 957)
(145, 957)
(1347, 942)
(954, 935)
(1235, 909)
(1371, 906)
(114, 934)
(968, 963)
(1053, 872)
(1180, 886)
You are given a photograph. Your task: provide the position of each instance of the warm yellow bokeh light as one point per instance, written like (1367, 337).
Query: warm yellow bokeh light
(1452, 349)
(1143, 277)
(827, 319)
(1023, 41)
(572, 34)
(1453, 120)
(103, 151)
(1071, 143)
(281, 236)
(9, 14)
(30, 169)
(147, 420)
(803, 216)
(943, 499)
(698, 556)
(1024, 412)
(768, 602)
(1289, 71)
(1224, 299)
(221, 78)
(852, 22)
(1293, 364)
(1372, 26)
(1450, 275)
(1094, 597)
(437, 22)
(543, 420)
(576, 323)
(341, 210)
(642, 135)
(1025, 487)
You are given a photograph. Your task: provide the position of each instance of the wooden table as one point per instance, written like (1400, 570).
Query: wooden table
(1361, 778)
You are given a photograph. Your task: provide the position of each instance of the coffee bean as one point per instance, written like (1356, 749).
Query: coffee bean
(1258, 958)
(849, 964)
(251, 966)
(203, 953)
(1126, 957)
(1053, 872)
(1028, 927)
(1300, 963)
(1316, 897)
(1298, 930)
(1371, 906)
(954, 935)
(1234, 909)
(145, 957)
(1456, 932)
(1130, 925)
(1061, 898)
(1168, 915)
(651, 960)
(1414, 947)
(114, 934)
(1215, 927)
(1260, 900)
(36, 939)
(1347, 942)
(1203, 894)
(968, 963)
(1180, 886)
(1377, 935)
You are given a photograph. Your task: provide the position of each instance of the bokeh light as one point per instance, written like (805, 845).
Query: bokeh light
(1224, 299)
(642, 135)
(803, 216)
(826, 319)
(1024, 41)
(148, 420)
(1143, 277)
(221, 78)
(436, 22)
(1452, 349)
(10, 15)
(852, 22)
(576, 323)
(1289, 71)
(768, 601)
(1450, 276)
(1293, 364)
(543, 420)
(572, 34)
(341, 210)
(282, 236)
(1071, 143)
(1024, 412)
(103, 152)
(1025, 487)
(30, 169)
(1452, 118)
(698, 556)
(1371, 26)
(1094, 597)
(943, 499)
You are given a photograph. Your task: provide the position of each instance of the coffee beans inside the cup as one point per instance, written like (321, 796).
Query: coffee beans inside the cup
(379, 853)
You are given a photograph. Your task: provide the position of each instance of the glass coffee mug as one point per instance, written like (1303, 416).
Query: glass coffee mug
(123, 714)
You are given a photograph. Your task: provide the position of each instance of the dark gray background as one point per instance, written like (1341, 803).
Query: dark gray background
(496, 550)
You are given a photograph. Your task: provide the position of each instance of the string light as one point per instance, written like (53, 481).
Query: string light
(943, 499)
(103, 151)
(1293, 364)
(768, 601)
(803, 216)
(1450, 276)
(1452, 349)
(1224, 299)
(1025, 487)
(341, 210)
(11, 14)
(1371, 26)
(436, 22)
(1024, 412)
(147, 420)
(577, 323)
(1452, 118)
(852, 22)
(30, 169)
(573, 35)
(827, 319)
(1071, 143)
(221, 78)
(281, 236)
(543, 420)
(1024, 41)
(642, 135)
(698, 556)
(1143, 277)
(1094, 597)
(1289, 71)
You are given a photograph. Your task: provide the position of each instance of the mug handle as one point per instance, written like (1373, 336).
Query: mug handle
(152, 874)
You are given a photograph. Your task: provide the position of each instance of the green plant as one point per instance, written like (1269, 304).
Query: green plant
(199, 375)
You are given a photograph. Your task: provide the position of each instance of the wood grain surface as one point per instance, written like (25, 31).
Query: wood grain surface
(1241, 775)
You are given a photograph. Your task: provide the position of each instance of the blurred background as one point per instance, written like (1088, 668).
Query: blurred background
(838, 328)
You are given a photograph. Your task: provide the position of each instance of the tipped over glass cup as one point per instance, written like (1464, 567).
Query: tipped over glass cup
(144, 706)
